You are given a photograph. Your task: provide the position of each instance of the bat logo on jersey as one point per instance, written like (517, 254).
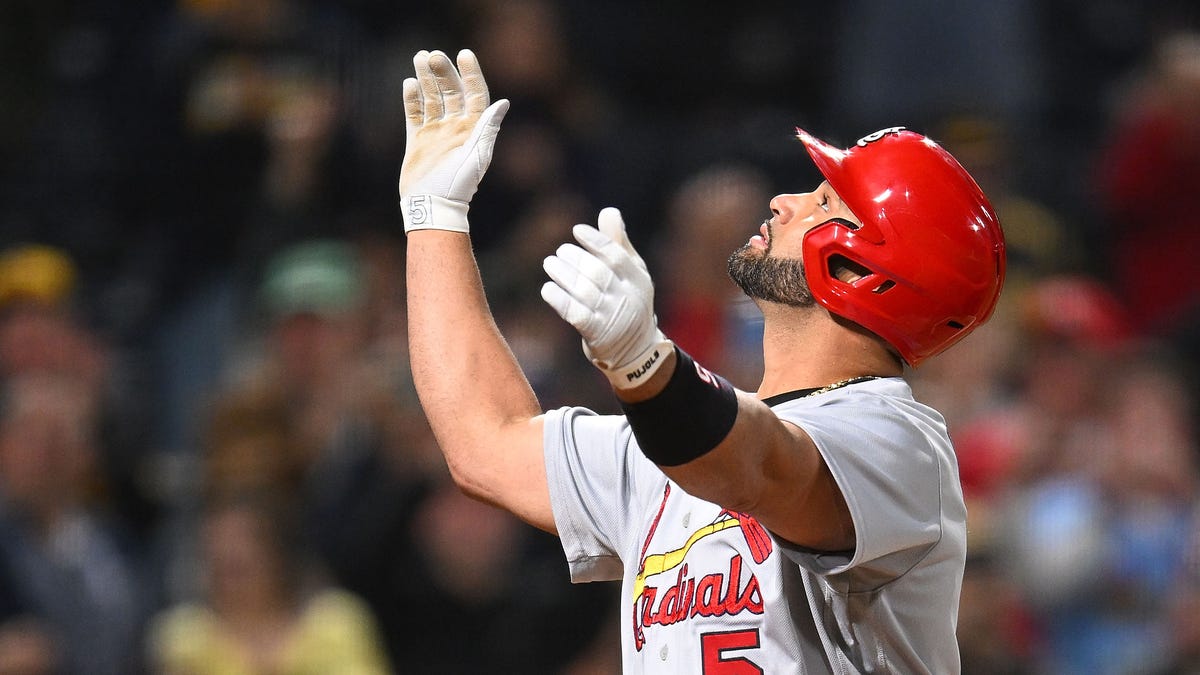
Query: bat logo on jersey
(715, 594)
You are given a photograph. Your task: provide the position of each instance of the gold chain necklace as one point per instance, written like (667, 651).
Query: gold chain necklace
(805, 393)
(840, 384)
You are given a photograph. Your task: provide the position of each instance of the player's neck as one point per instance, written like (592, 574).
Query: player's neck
(807, 347)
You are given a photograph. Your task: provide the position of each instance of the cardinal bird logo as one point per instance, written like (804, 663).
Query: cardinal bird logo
(756, 535)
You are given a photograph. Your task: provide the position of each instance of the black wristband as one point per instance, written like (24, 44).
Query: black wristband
(688, 418)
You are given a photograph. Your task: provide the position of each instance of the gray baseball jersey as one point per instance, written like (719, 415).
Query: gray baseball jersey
(707, 591)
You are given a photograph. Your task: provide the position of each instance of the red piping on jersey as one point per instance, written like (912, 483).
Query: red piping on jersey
(654, 525)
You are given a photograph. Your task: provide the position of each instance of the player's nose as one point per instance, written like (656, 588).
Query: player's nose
(789, 207)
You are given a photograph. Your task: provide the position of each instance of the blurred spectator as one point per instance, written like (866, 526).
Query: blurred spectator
(1102, 550)
(1082, 490)
(250, 447)
(546, 347)
(556, 130)
(1071, 327)
(320, 414)
(262, 612)
(72, 123)
(36, 273)
(68, 574)
(27, 648)
(39, 331)
(320, 411)
(312, 398)
(1037, 242)
(1150, 475)
(978, 376)
(42, 332)
(253, 155)
(1025, 430)
(258, 104)
(1021, 425)
(477, 573)
(1149, 187)
(708, 216)
(1185, 607)
(996, 635)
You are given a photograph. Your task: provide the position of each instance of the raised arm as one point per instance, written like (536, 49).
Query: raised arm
(483, 412)
(717, 443)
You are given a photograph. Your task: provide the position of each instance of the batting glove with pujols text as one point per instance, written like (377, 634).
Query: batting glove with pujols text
(451, 127)
(603, 289)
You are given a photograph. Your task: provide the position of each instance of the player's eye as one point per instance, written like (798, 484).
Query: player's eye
(824, 201)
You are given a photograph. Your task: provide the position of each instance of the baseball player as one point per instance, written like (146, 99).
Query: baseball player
(814, 526)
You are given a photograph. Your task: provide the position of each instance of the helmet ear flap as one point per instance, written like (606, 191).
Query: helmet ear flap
(830, 266)
(841, 278)
(832, 245)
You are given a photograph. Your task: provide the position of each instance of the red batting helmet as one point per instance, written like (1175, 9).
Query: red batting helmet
(930, 242)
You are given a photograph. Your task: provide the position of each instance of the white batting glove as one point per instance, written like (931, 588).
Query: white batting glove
(604, 290)
(450, 131)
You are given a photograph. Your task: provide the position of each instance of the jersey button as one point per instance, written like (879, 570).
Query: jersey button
(662, 653)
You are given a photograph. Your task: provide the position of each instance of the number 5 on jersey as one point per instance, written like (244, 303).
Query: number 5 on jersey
(714, 647)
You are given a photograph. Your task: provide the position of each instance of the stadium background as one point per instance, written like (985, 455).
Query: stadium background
(207, 423)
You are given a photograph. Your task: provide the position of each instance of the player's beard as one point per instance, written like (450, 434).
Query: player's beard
(773, 279)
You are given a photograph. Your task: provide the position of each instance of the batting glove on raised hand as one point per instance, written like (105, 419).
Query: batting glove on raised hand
(604, 290)
(450, 131)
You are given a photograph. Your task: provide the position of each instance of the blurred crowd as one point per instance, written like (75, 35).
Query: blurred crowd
(212, 459)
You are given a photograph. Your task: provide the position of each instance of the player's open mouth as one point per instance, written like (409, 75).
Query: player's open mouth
(763, 238)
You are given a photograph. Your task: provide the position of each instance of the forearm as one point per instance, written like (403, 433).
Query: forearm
(468, 381)
(723, 464)
(732, 450)
(773, 472)
(482, 410)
